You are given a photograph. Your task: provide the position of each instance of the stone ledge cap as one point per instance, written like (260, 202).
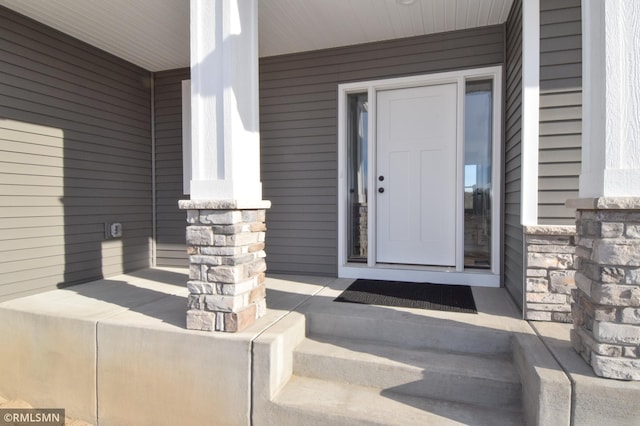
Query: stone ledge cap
(604, 203)
(224, 204)
(550, 230)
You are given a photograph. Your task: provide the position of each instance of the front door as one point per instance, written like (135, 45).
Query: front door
(416, 175)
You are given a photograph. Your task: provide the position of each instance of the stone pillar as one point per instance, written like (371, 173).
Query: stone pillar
(606, 312)
(550, 272)
(226, 255)
(226, 213)
(606, 308)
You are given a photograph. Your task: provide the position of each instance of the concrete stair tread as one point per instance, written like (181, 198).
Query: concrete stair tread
(490, 381)
(317, 402)
(406, 329)
(491, 367)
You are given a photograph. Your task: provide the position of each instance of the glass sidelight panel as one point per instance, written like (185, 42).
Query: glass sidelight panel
(357, 143)
(477, 173)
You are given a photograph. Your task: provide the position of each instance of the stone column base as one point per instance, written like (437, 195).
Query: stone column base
(225, 242)
(550, 272)
(606, 307)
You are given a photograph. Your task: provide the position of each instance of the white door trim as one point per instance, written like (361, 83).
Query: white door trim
(457, 275)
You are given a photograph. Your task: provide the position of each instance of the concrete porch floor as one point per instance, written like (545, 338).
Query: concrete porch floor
(116, 352)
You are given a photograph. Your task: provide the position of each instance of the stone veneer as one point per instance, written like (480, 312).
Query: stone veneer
(225, 242)
(606, 311)
(550, 272)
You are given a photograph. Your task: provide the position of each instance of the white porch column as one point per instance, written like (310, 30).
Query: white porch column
(606, 307)
(224, 100)
(611, 99)
(530, 111)
(226, 214)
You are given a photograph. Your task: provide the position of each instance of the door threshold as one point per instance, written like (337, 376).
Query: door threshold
(415, 273)
(410, 267)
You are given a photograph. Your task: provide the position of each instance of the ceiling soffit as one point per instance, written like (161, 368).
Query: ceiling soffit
(154, 34)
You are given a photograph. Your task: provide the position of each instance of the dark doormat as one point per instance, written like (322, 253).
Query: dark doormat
(439, 297)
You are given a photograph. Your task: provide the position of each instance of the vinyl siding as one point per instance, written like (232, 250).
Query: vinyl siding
(75, 154)
(298, 125)
(560, 109)
(513, 237)
(171, 222)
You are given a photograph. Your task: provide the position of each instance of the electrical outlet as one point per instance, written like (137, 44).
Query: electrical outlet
(116, 230)
(113, 230)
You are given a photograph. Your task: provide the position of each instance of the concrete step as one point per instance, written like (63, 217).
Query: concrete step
(407, 330)
(307, 401)
(375, 365)
(489, 380)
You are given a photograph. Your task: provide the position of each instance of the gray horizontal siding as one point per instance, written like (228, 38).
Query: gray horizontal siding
(513, 232)
(75, 154)
(298, 125)
(560, 109)
(170, 221)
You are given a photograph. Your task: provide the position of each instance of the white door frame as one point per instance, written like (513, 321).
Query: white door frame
(457, 275)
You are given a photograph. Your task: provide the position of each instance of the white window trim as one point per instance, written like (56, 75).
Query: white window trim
(372, 270)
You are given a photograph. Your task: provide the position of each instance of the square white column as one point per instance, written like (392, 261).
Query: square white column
(611, 99)
(224, 100)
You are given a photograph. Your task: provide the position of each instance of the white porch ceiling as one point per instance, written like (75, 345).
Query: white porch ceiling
(154, 34)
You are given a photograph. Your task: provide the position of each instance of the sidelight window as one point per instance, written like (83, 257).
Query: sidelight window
(478, 107)
(357, 141)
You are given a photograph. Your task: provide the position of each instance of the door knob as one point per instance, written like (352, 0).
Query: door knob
(380, 178)
(381, 190)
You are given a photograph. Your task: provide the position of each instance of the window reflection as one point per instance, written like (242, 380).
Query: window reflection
(477, 173)
(357, 158)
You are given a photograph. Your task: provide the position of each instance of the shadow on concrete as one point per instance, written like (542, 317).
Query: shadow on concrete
(154, 293)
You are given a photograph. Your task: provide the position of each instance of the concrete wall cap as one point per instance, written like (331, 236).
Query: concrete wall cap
(550, 230)
(224, 204)
(604, 203)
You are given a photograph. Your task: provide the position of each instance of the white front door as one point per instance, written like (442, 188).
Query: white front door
(416, 175)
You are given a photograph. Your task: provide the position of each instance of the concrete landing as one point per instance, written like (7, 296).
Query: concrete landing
(116, 351)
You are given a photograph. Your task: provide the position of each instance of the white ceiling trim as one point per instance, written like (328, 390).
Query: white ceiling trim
(154, 34)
